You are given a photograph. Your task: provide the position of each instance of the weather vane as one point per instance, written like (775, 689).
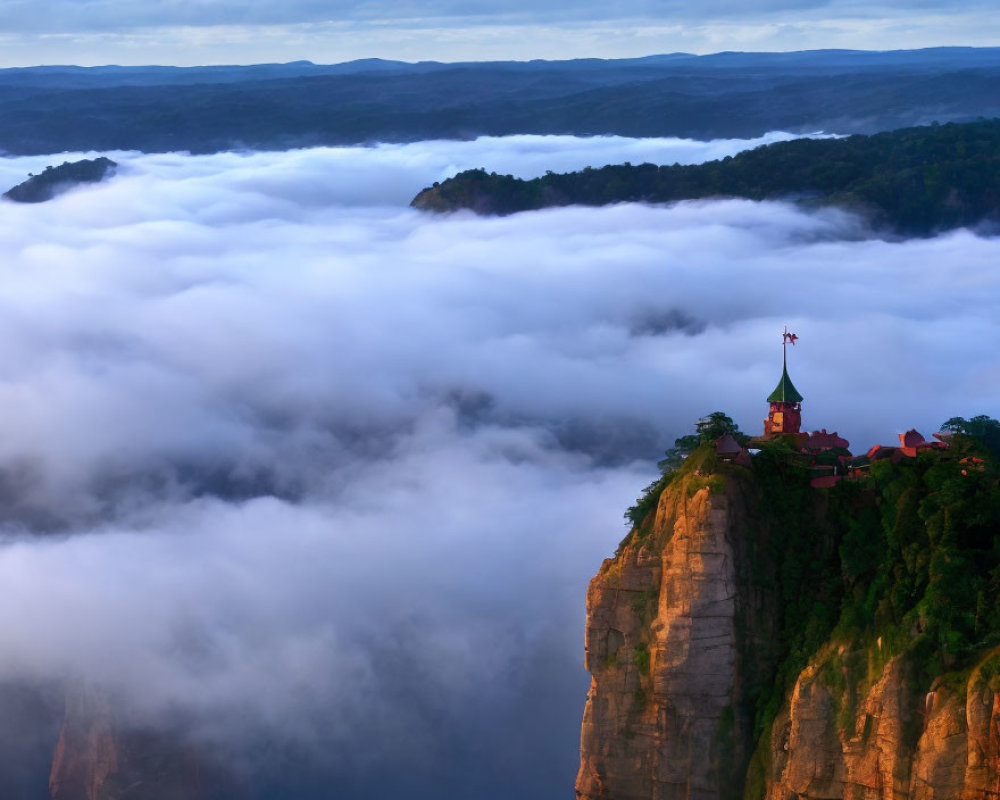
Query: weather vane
(787, 337)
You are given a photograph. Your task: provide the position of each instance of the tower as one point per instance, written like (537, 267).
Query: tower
(785, 413)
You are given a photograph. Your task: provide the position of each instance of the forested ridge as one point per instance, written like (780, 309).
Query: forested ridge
(280, 106)
(913, 181)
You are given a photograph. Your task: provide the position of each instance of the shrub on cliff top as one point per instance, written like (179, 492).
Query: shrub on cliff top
(982, 428)
(707, 429)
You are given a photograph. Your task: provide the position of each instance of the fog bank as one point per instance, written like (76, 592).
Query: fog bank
(284, 454)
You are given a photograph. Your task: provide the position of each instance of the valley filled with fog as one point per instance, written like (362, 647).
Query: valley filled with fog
(329, 476)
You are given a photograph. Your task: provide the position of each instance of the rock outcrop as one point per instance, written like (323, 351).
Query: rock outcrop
(677, 632)
(811, 756)
(901, 742)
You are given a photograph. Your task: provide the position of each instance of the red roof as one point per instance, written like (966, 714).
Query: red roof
(881, 451)
(821, 440)
(726, 445)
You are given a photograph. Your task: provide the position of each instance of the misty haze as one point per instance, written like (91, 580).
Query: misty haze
(321, 479)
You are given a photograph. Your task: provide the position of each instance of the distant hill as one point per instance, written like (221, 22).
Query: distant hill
(913, 181)
(55, 180)
(278, 106)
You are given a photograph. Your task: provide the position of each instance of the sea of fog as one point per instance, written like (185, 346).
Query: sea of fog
(331, 475)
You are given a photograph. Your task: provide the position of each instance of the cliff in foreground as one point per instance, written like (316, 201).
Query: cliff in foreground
(914, 181)
(755, 637)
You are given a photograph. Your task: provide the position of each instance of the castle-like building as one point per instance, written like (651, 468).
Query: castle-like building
(785, 413)
(829, 456)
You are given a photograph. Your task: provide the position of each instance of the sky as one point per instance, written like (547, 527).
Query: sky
(189, 32)
(328, 476)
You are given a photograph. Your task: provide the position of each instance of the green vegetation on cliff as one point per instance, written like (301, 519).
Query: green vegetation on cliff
(707, 430)
(904, 561)
(914, 181)
(910, 555)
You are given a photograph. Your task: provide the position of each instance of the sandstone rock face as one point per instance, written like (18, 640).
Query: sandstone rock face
(811, 756)
(900, 742)
(982, 720)
(674, 635)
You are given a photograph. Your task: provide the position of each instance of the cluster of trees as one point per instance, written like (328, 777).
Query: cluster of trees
(707, 430)
(914, 181)
(930, 561)
(53, 180)
(983, 428)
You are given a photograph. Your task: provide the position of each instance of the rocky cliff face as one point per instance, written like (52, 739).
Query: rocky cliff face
(705, 688)
(100, 758)
(900, 742)
(677, 632)
(86, 757)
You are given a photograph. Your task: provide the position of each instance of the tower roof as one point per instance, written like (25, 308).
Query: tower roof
(785, 391)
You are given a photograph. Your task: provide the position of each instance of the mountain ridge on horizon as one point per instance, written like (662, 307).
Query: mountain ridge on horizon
(51, 109)
(378, 63)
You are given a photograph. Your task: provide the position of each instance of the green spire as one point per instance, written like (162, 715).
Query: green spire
(785, 392)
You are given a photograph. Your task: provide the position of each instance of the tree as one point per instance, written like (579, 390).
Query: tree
(981, 427)
(707, 429)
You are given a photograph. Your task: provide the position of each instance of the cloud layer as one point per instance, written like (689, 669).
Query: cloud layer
(281, 452)
(108, 15)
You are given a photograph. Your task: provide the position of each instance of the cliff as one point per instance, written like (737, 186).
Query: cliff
(900, 741)
(102, 756)
(677, 630)
(757, 638)
(56, 180)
